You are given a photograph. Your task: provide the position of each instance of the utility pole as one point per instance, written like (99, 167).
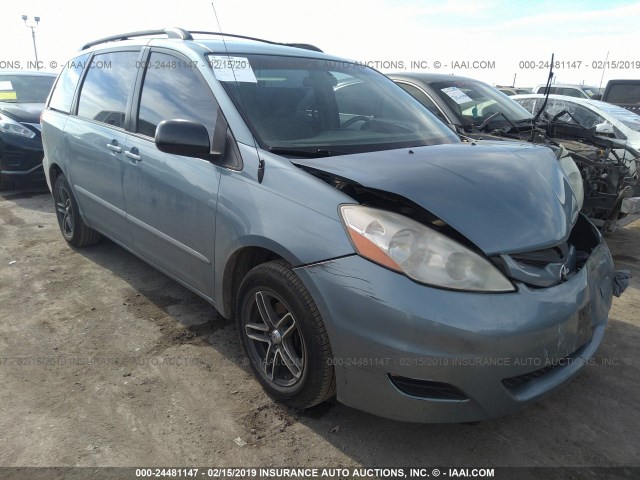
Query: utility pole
(33, 35)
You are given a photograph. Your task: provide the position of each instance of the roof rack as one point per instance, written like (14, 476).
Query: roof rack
(306, 46)
(174, 32)
(170, 32)
(232, 35)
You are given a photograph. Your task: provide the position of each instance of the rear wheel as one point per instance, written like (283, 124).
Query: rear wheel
(73, 228)
(284, 336)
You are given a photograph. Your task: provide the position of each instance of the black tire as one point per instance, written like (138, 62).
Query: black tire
(6, 184)
(296, 342)
(72, 227)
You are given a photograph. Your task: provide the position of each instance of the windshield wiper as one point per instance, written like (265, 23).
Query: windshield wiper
(296, 152)
(494, 115)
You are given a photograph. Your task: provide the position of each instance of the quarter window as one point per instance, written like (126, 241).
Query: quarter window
(107, 86)
(172, 90)
(62, 96)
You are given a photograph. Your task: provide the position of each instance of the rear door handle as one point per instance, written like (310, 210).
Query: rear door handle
(133, 154)
(114, 147)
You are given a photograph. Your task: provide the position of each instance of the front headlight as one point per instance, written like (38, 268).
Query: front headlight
(8, 125)
(421, 253)
(574, 177)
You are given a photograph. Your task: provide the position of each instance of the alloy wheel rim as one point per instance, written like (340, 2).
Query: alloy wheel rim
(275, 339)
(64, 210)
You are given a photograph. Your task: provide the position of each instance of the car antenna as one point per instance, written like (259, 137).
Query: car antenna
(547, 91)
(260, 160)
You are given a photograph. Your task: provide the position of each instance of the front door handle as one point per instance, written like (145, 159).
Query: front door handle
(133, 154)
(114, 147)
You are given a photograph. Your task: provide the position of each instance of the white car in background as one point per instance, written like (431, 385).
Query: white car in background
(578, 91)
(608, 120)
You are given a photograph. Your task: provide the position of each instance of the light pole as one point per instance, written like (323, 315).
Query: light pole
(33, 34)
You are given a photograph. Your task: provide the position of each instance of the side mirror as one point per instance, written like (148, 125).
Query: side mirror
(604, 129)
(183, 137)
(597, 96)
(191, 139)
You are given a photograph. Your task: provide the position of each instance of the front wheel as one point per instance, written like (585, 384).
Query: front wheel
(284, 336)
(72, 227)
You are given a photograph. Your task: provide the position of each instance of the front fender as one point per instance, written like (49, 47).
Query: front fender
(291, 213)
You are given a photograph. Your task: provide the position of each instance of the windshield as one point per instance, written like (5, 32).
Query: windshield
(473, 102)
(627, 117)
(25, 88)
(300, 105)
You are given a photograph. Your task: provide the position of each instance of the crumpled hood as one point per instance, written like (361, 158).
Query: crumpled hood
(23, 112)
(504, 197)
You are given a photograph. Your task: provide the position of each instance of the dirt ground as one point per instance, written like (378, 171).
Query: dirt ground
(107, 362)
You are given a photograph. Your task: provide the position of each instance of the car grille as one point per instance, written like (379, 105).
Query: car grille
(550, 266)
(514, 382)
(542, 258)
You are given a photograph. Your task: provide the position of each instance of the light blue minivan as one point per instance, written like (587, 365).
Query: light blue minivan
(363, 250)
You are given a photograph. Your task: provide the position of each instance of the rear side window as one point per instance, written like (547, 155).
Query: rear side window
(551, 90)
(624, 93)
(571, 92)
(172, 90)
(62, 96)
(107, 86)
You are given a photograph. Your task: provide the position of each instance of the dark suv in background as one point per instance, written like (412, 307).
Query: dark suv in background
(624, 93)
(22, 99)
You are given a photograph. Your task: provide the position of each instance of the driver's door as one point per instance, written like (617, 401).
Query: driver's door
(172, 200)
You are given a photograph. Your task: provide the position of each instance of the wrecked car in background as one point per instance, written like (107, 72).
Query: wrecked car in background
(477, 111)
(609, 120)
(363, 250)
(613, 127)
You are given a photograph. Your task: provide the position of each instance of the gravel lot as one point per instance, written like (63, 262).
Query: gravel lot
(107, 362)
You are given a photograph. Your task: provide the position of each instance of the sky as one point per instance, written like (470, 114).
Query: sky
(490, 40)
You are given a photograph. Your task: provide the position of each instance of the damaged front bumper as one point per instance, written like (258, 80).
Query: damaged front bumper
(415, 353)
